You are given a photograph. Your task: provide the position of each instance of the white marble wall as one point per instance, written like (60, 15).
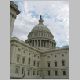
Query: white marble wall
(18, 48)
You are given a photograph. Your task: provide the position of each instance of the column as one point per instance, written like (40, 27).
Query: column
(37, 43)
(49, 44)
(44, 43)
(40, 43)
(12, 25)
(52, 44)
(34, 43)
(30, 44)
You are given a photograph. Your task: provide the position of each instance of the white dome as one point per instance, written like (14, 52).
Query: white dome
(41, 37)
(40, 27)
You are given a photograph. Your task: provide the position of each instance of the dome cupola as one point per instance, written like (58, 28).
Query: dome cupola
(40, 36)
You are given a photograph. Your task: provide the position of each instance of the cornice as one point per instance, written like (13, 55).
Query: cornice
(14, 39)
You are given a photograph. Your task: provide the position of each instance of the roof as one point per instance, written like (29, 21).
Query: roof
(41, 27)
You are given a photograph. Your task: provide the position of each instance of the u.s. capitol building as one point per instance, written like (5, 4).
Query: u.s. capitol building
(38, 57)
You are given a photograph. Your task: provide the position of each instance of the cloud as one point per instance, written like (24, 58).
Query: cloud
(55, 14)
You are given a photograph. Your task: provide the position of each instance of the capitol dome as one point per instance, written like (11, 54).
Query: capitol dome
(41, 27)
(40, 36)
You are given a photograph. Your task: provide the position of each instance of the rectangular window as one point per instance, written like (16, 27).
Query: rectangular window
(29, 61)
(49, 73)
(37, 64)
(37, 72)
(18, 58)
(23, 60)
(56, 73)
(48, 64)
(28, 72)
(34, 63)
(17, 69)
(38, 57)
(63, 63)
(23, 70)
(55, 64)
(64, 73)
(38, 43)
(33, 72)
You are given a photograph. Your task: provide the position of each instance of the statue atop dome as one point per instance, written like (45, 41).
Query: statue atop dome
(40, 17)
(41, 20)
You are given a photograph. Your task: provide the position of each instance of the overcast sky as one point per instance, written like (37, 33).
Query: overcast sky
(55, 15)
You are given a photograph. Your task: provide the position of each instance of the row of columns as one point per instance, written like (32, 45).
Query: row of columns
(41, 43)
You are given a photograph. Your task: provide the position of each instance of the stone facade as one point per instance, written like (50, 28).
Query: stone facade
(37, 63)
(38, 57)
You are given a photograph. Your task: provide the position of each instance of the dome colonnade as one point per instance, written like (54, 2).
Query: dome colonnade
(40, 36)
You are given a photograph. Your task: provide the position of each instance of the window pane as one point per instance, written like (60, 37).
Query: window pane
(37, 72)
(63, 63)
(23, 60)
(34, 63)
(17, 69)
(56, 73)
(64, 72)
(55, 64)
(18, 58)
(49, 73)
(29, 61)
(22, 70)
(28, 72)
(33, 72)
(48, 64)
(37, 64)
